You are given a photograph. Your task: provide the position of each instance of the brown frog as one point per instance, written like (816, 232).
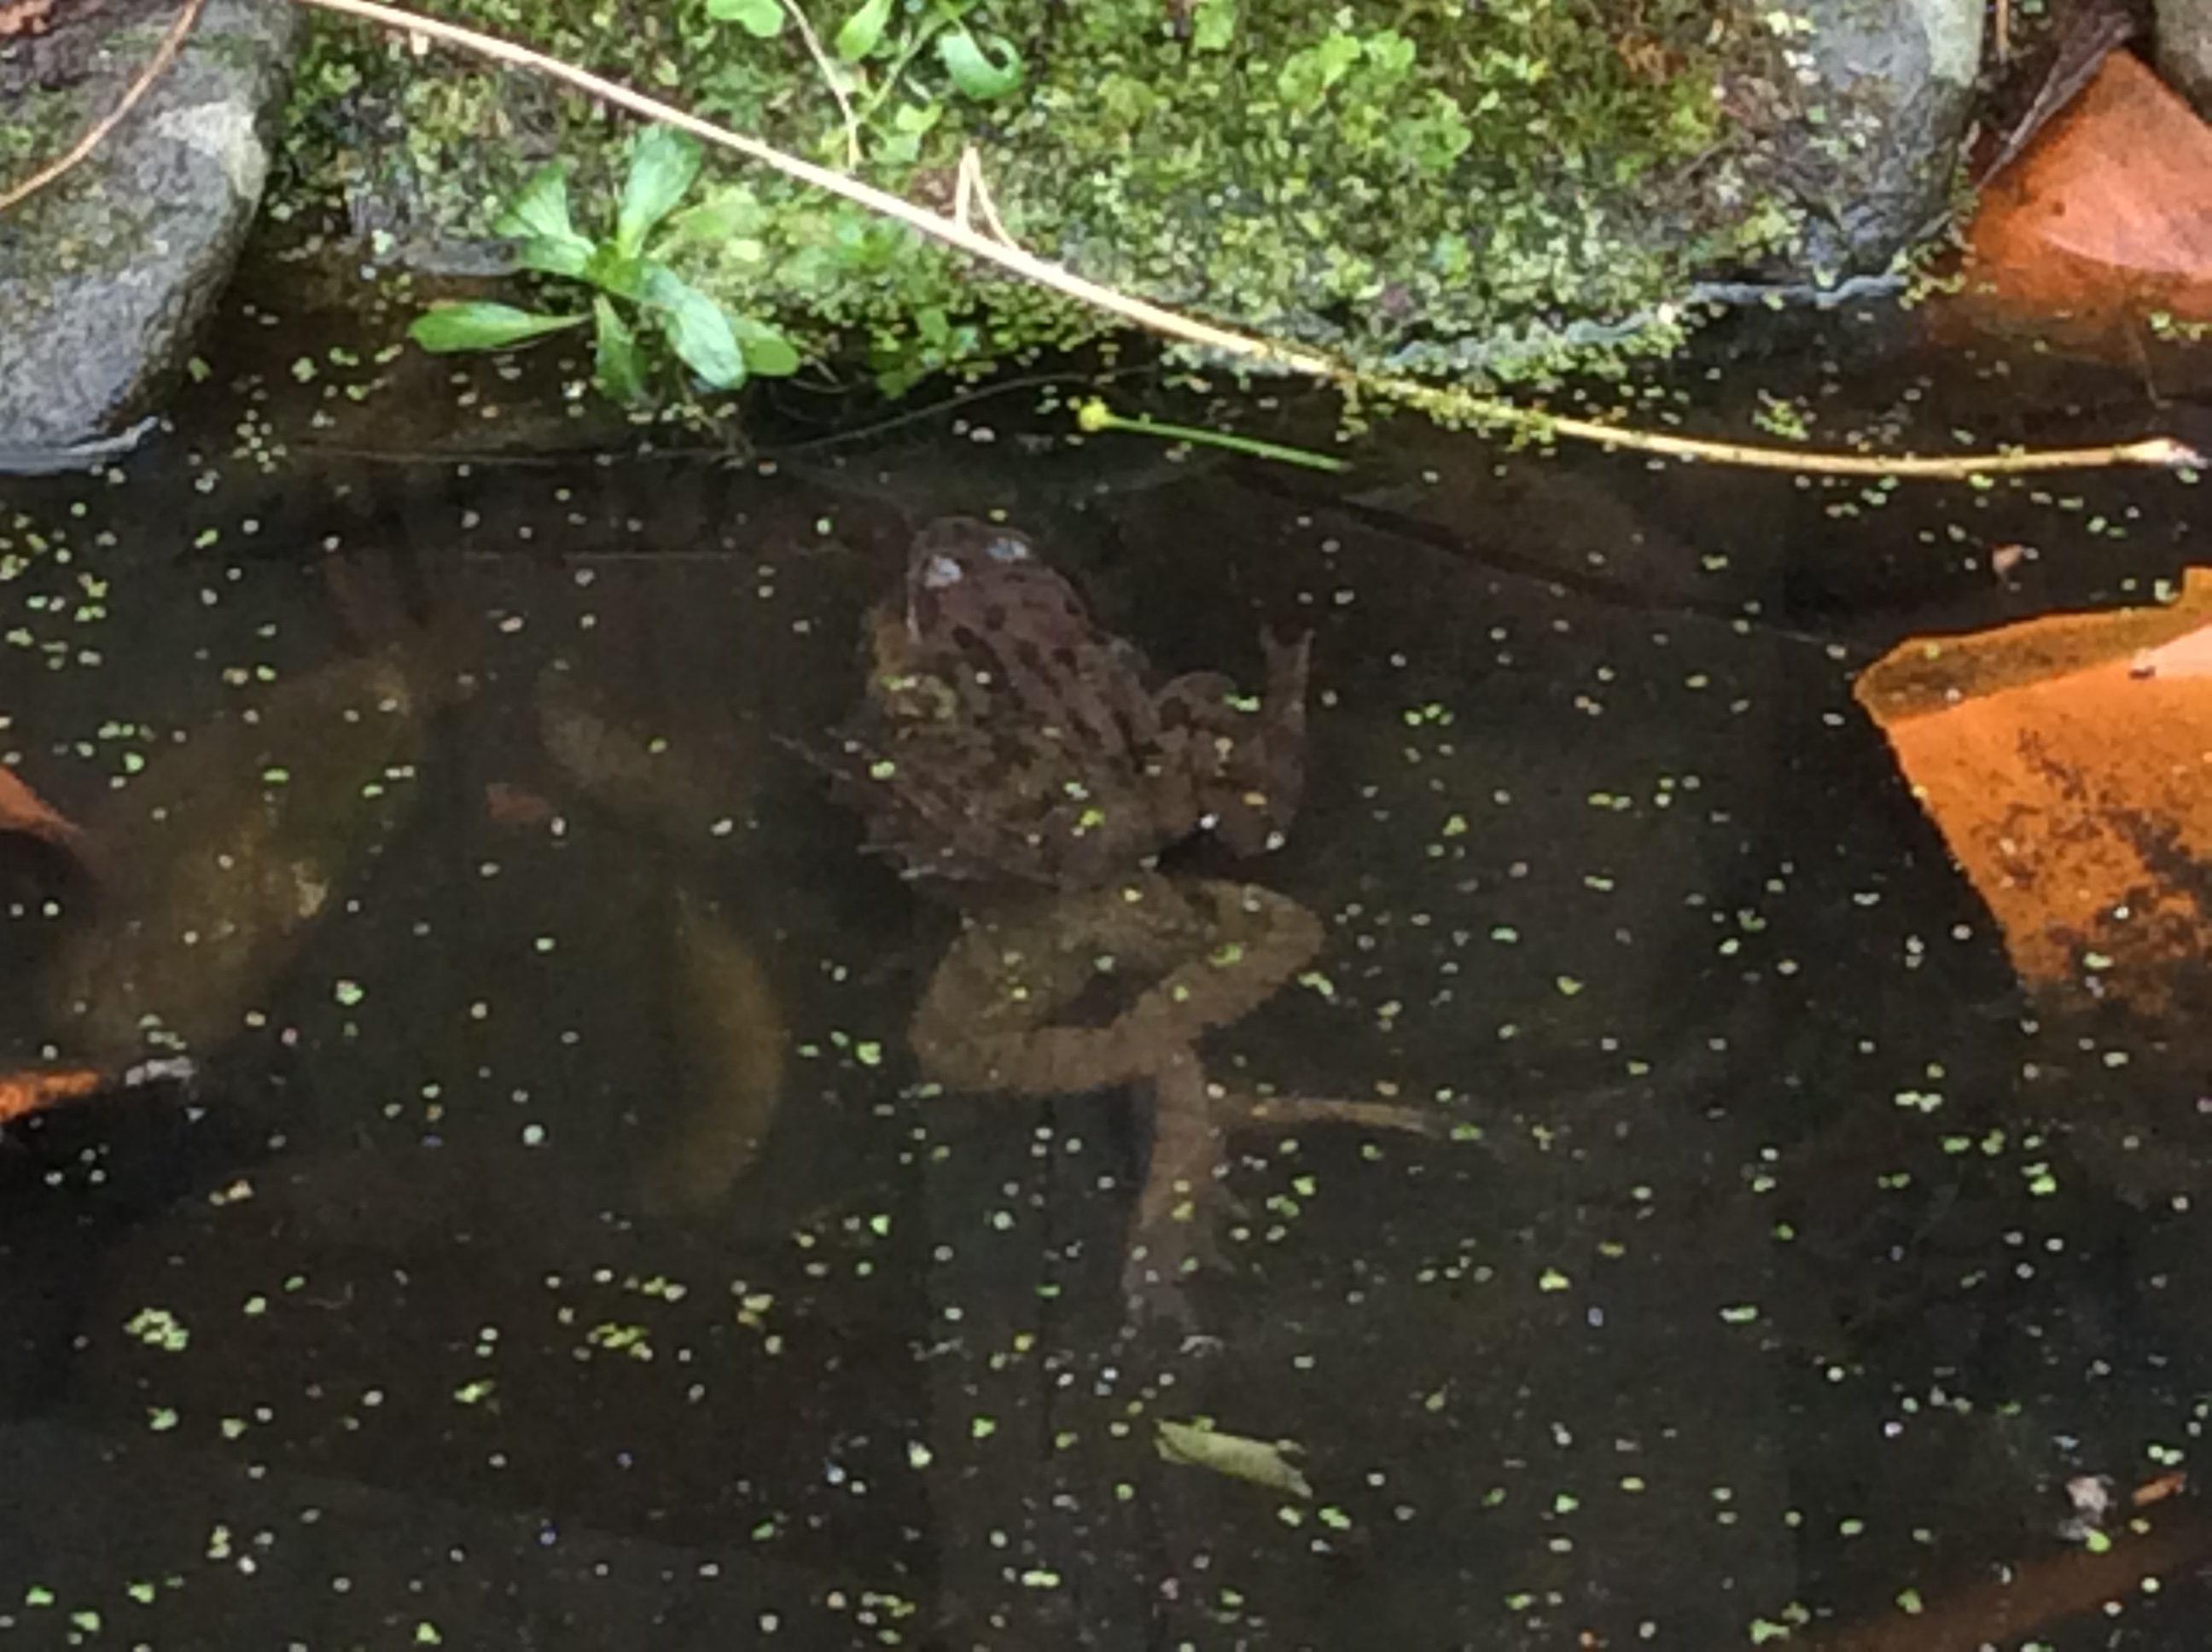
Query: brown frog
(1006, 736)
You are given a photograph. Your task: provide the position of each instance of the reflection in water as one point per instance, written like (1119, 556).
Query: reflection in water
(486, 1272)
(212, 866)
(729, 1021)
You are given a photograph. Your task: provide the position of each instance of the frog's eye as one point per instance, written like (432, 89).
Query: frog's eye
(1005, 548)
(939, 572)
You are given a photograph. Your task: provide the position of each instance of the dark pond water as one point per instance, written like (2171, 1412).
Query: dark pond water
(1782, 1271)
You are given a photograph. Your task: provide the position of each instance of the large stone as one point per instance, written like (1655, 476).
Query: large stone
(1888, 86)
(106, 274)
(1504, 189)
(2184, 50)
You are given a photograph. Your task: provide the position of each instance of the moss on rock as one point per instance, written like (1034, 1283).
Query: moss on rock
(1436, 182)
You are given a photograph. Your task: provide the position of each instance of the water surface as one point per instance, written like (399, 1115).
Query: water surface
(1783, 1266)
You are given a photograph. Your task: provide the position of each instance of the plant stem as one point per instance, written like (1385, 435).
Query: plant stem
(1096, 415)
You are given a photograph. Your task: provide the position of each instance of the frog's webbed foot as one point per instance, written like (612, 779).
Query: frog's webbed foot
(1153, 1282)
(1288, 1112)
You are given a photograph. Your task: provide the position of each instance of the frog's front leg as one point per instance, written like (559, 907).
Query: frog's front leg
(1243, 765)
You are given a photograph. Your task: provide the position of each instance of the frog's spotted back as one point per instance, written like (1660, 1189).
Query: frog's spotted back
(1005, 737)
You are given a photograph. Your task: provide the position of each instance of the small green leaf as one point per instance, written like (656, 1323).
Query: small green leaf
(662, 164)
(990, 69)
(862, 31)
(1307, 75)
(613, 271)
(696, 327)
(540, 206)
(617, 366)
(1213, 25)
(762, 19)
(769, 354)
(724, 216)
(476, 324)
(544, 253)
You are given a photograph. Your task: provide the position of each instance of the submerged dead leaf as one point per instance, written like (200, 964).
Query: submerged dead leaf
(2159, 1488)
(2068, 762)
(732, 1023)
(1260, 1462)
(36, 1089)
(23, 810)
(2025, 1597)
(508, 805)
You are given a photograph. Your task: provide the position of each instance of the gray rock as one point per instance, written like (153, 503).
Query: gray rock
(106, 274)
(1886, 86)
(2184, 50)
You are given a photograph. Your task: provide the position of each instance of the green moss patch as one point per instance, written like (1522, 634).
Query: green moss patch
(1434, 183)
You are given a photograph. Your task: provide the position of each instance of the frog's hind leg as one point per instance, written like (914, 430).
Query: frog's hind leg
(1175, 1232)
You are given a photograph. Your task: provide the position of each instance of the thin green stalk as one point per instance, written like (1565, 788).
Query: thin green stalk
(1096, 416)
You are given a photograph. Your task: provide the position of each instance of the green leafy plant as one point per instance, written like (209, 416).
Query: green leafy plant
(875, 66)
(640, 306)
(900, 106)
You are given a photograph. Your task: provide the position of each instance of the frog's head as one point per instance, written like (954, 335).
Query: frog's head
(954, 545)
(957, 552)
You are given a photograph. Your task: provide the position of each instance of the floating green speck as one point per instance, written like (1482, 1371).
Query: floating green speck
(159, 1328)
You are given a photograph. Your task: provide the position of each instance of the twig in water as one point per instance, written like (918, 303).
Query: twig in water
(172, 42)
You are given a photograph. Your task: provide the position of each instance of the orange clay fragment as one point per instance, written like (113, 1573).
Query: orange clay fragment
(35, 1088)
(2106, 218)
(2068, 762)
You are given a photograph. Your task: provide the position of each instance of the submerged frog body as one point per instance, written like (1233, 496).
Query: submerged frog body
(209, 869)
(1006, 738)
